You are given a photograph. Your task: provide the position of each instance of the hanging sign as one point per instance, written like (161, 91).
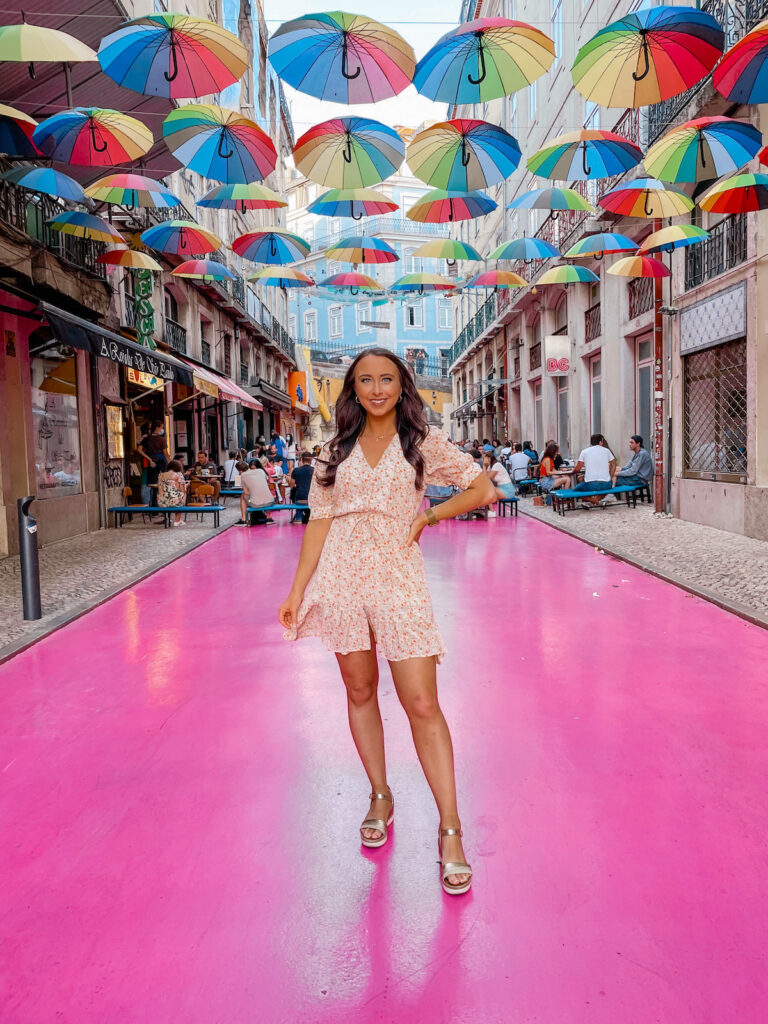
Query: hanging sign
(145, 315)
(144, 380)
(557, 355)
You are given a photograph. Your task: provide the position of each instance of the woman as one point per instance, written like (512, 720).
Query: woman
(501, 479)
(172, 489)
(290, 454)
(360, 580)
(550, 478)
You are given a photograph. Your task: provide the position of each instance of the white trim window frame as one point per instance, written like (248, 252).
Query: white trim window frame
(444, 315)
(335, 321)
(310, 325)
(363, 311)
(413, 315)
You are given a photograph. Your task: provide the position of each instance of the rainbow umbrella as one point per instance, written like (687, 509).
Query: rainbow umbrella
(526, 249)
(598, 244)
(345, 58)
(45, 179)
(639, 266)
(92, 137)
(131, 190)
(703, 149)
(678, 236)
(174, 55)
(352, 280)
(587, 153)
(362, 249)
(351, 202)
(85, 225)
(204, 270)
(463, 154)
(423, 283)
(33, 44)
(482, 60)
(742, 74)
(646, 197)
(551, 199)
(242, 197)
(762, 156)
(648, 56)
(745, 193)
(566, 274)
(180, 237)
(219, 143)
(496, 279)
(271, 245)
(129, 258)
(448, 249)
(440, 207)
(349, 152)
(287, 277)
(16, 129)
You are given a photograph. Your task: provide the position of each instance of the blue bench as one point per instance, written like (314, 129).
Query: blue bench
(251, 512)
(502, 503)
(565, 500)
(120, 512)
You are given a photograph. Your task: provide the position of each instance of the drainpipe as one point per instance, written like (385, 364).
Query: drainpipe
(96, 403)
(658, 392)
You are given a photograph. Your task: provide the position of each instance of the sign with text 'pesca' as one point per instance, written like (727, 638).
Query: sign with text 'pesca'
(557, 355)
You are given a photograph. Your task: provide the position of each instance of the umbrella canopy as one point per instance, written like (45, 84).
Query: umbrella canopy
(85, 225)
(219, 143)
(130, 258)
(703, 149)
(646, 197)
(93, 137)
(174, 55)
(45, 179)
(131, 190)
(242, 197)
(603, 242)
(362, 249)
(423, 283)
(181, 237)
(551, 199)
(463, 154)
(450, 249)
(345, 58)
(496, 279)
(352, 280)
(351, 202)
(648, 56)
(33, 44)
(678, 236)
(742, 74)
(204, 270)
(271, 245)
(482, 60)
(16, 129)
(440, 207)
(286, 277)
(349, 152)
(525, 249)
(566, 274)
(584, 154)
(745, 193)
(639, 266)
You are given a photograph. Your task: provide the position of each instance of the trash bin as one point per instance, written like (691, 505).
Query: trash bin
(30, 564)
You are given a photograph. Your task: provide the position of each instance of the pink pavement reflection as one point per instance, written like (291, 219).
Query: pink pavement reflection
(180, 802)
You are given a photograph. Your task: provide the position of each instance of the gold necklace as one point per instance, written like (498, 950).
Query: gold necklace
(380, 437)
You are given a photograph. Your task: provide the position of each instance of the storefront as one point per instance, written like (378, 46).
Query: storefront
(221, 406)
(276, 404)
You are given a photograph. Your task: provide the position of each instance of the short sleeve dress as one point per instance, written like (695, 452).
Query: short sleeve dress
(367, 580)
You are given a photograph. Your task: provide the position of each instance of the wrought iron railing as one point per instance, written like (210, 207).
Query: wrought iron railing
(725, 248)
(175, 335)
(561, 331)
(380, 226)
(642, 292)
(592, 323)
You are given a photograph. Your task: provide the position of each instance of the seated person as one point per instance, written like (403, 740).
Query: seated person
(518, 463)
(598, 464)
(549, 478)
(501, 479)
(256, 493)
(529, 450)
(638, 472)
(201, 472)
(172, 489)
(558, 460)
(299, 482)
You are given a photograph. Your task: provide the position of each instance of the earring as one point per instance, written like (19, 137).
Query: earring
(357, 398)
(399, 398)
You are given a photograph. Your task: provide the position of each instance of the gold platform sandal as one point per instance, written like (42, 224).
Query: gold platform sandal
(378, 823)
(452, 867)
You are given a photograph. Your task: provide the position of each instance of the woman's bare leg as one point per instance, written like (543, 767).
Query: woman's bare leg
(416, 684)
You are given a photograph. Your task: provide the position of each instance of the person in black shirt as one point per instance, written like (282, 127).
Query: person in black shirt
(300, 481)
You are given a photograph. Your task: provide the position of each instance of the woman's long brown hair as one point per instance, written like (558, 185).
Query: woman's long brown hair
(351, 417)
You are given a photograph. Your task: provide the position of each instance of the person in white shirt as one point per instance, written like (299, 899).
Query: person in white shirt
(518, 463)
(230, 470)
(501, 480)
(256, 493)
(599, 465)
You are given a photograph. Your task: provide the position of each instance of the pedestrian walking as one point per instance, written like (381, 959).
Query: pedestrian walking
(360, 582)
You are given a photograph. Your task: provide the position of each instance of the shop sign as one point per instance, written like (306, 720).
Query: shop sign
(206, 386)
(145, 315)
(144, 380)
(297, 387)
(557, 355)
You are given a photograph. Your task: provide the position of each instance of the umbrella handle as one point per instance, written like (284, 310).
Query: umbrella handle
(272, 246)
(345, 59)
(182, 242)
(243, 207)
(585, 165)
(347, 151)
(357, 216)
(646, 211)
(465, 154)
(554, 214)
(450, 209)
(219, 149)
(31, 70)
(702, 151)
(96, 147)
(353, 291)
(450, 263)
(174, 62)
(481, 71)
(647, 68)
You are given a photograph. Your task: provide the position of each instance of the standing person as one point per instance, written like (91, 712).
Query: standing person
(172, 489)
(300, 482)
(598, 465)
(289, 453)
(154, 449)
(230, 470)
(256, 493)
(360, 582)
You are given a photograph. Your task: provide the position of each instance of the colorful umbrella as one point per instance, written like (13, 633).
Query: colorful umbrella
(271, 245)
(352, 280)
(587, 153)
(174, 55)
(646, 197)
(219, 143)
(742, 74)
(16, 130)
(648, 56)
(762, 156)
(639, 266)
(482, 60)
(362, 249)
(85, 225)
(129, 258)
(703, 150)
(599, 244)
(93, 137)
(349, 152)
(132, 190)
(745, 193)
(497, 279)
(33, 44)
(567, 274)
(287, 277)
(448, 249)
(439, 207)
(45, 179)
(678, 236)
(204, 270)
(463, 154)
(551, 199)
(242, 197)
(345, 58)
(423, 283)
(526, 249)
(351, 202)
(181, 237)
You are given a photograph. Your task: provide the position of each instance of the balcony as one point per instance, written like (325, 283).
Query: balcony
(282, 338)
(474, 327)
(642, 294)
(534, 357)
(725, 248)
(175, 336)
(592, 323)
(381, 226)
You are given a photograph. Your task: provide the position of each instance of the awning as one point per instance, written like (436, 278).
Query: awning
(476, 401)
(269, 393)
(73, 330)
(216, 384)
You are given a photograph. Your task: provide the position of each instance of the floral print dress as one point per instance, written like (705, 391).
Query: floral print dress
(367, 580)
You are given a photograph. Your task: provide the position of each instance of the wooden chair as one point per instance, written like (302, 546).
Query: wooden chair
(201, 495)
(127, 495)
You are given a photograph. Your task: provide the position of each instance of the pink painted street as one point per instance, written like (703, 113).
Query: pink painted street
(180, 800)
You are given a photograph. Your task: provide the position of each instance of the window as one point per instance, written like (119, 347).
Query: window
(310, 325)
(407, 199)
(538, 415)
(292, 326)
(411, 263)
(563, 423)
(363, 312)
(414, 314)
(557, 29)
(205, 352)
(334, 267)
(169, 303)
(228, 355)
(596, 394)
(444, 315)
(715, 412)
(532, 101)
(644, 391)
(57, 426)
(335, 321)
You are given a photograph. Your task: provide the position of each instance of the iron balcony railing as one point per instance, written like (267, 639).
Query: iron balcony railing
(333, 350)
(725, 248)
(175, 335)
(642, 293)
(380, 226)
(592, 323)
(282, 338)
